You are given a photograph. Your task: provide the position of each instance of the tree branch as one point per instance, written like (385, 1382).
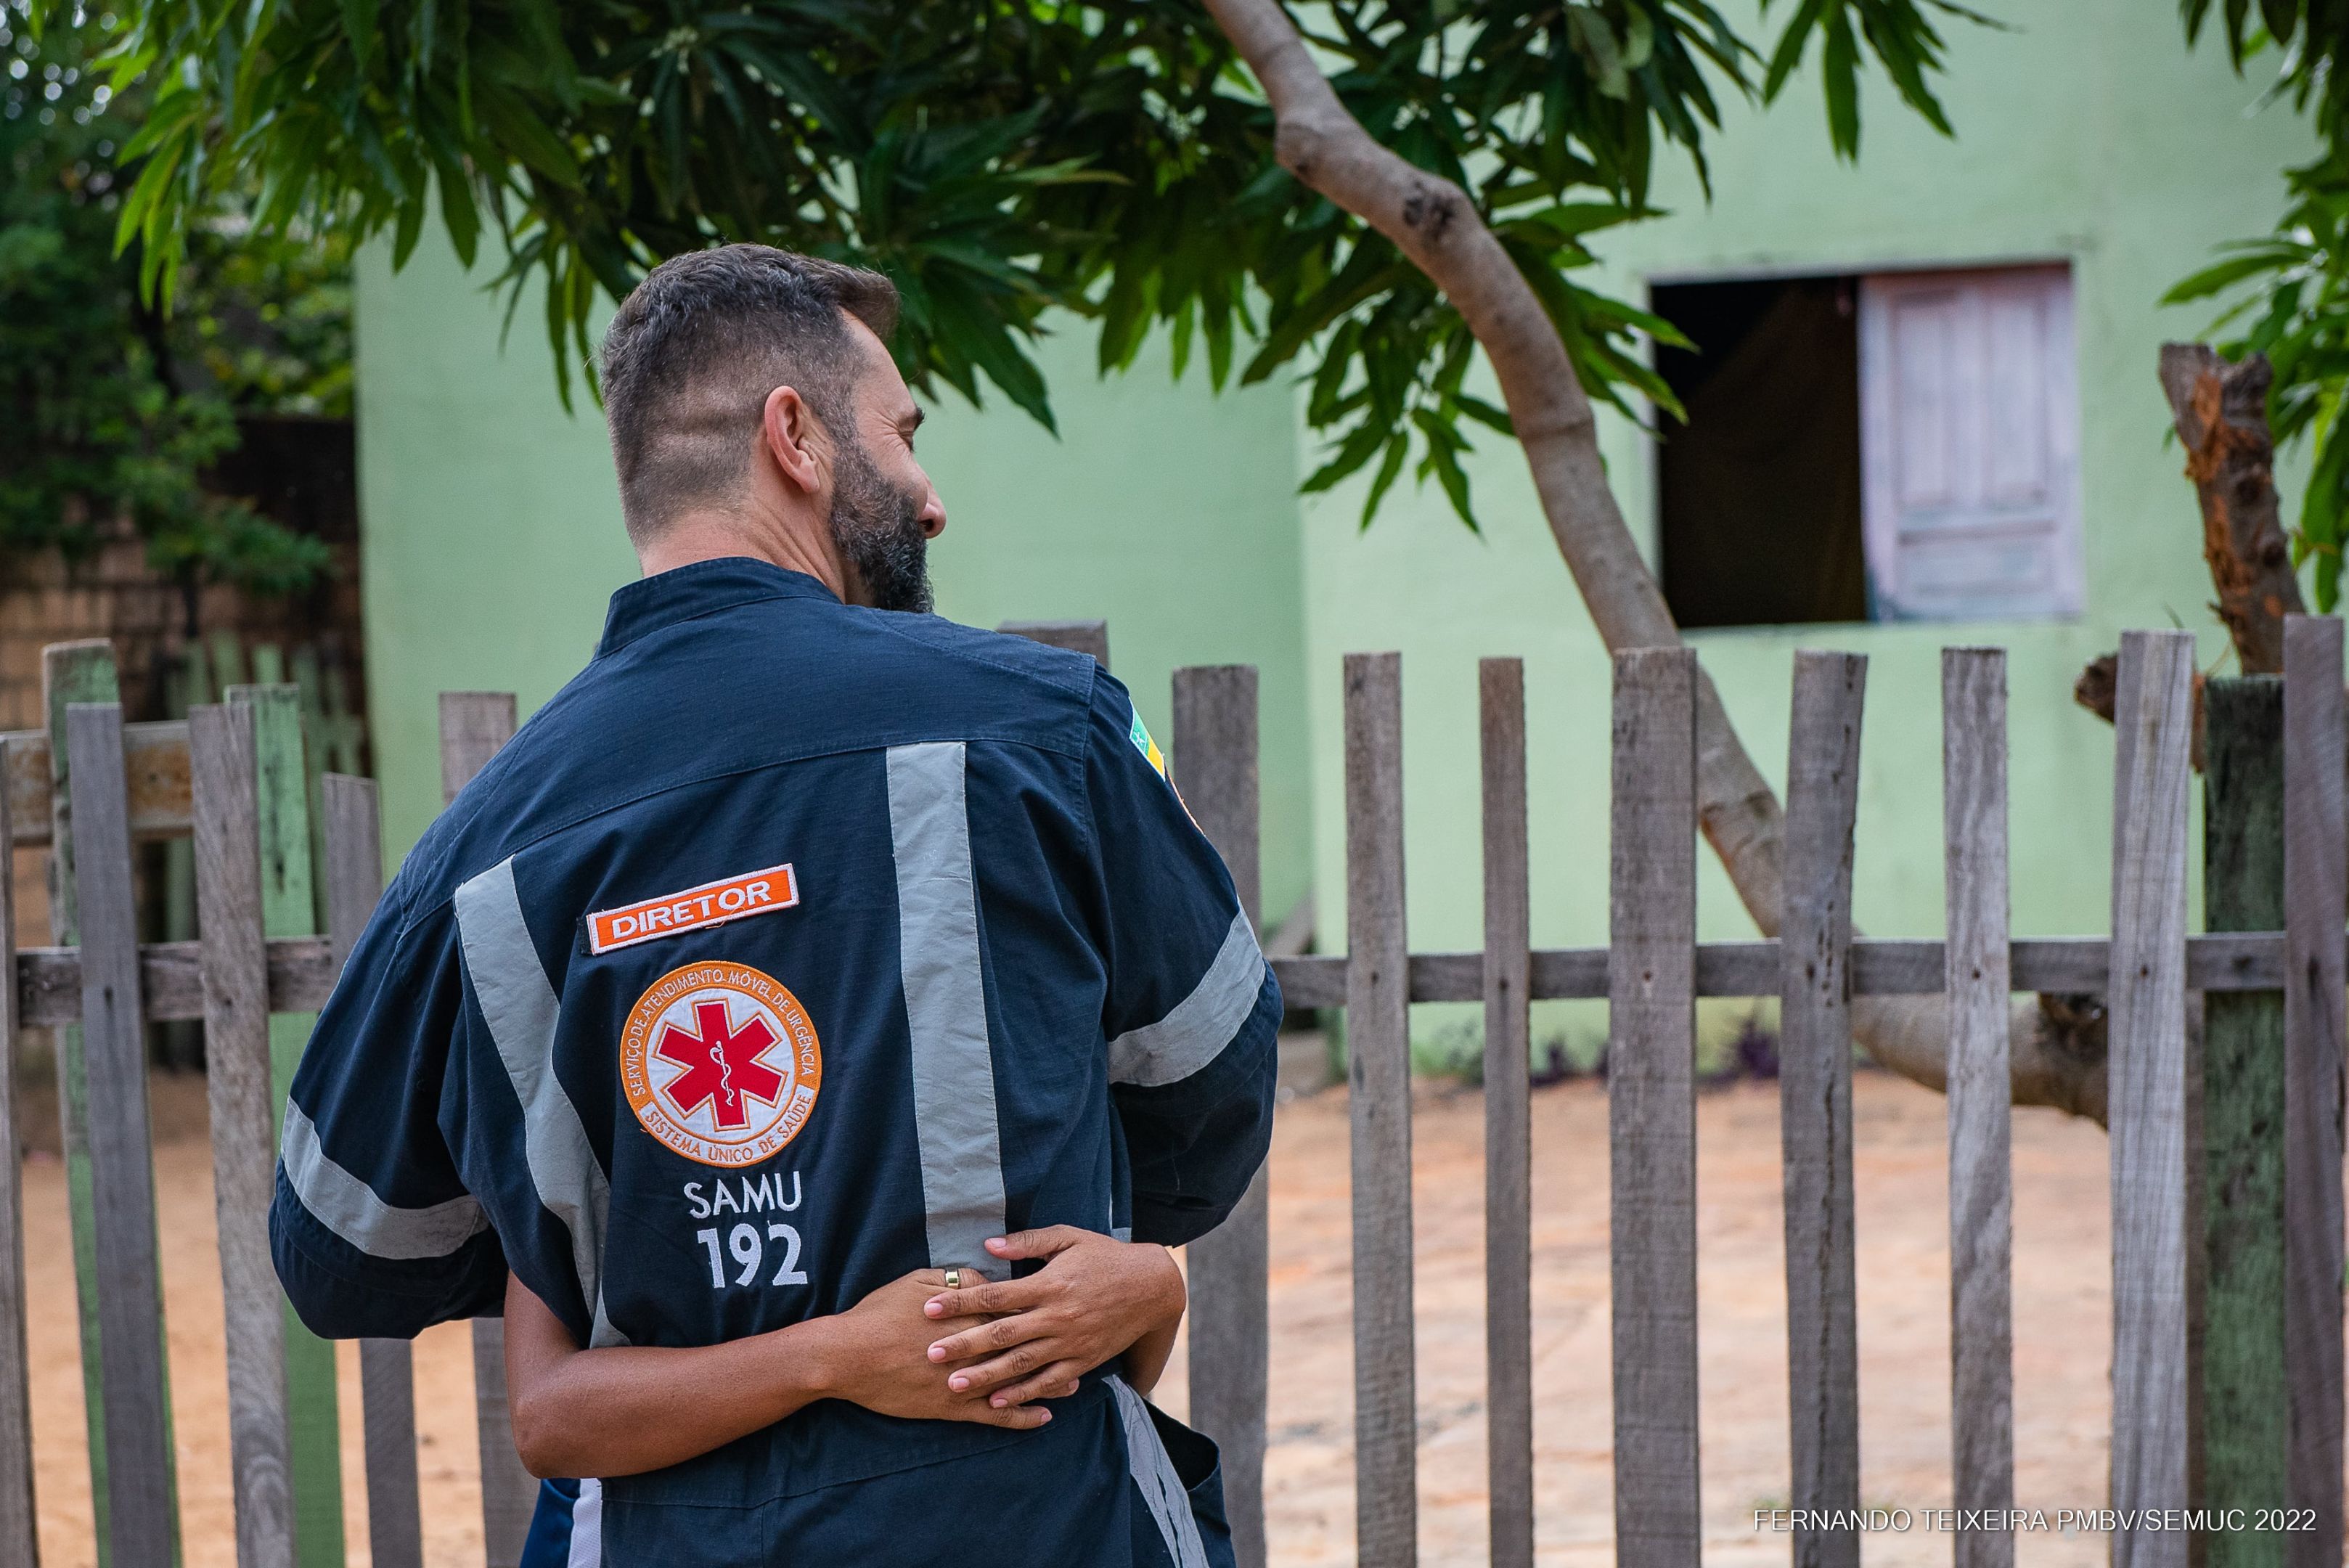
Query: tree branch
(1438, 227)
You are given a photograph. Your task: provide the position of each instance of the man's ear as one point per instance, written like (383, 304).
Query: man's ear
(793, 439)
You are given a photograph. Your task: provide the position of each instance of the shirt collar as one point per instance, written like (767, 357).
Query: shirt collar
(704, 588)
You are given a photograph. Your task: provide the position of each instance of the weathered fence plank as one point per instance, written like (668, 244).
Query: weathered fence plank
(2315, 872)
(302, 973)
(2245, 1401)
(1879, 966)
(19, 1536)
(2146, 1003)
(473, 725)
(155, 763)
(1508, 1132)
(1981, 1200)
(1652, 1107)
(1378, 1050)
(1214, 764)
(1815, 1099)
(170, 980)
(240, 1089)
(142, 1520)
(80, 671)
(388, 1406)
(289, 907)
(354, 884)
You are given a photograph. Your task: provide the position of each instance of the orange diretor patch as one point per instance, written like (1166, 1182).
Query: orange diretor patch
(711, 904)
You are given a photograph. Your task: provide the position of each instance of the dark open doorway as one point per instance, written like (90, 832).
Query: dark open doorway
(1759, 492)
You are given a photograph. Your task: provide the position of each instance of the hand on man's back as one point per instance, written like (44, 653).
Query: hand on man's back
(877, 1354)
(1094, 1299)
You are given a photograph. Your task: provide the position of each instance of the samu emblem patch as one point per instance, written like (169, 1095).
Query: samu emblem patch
(720, 1063)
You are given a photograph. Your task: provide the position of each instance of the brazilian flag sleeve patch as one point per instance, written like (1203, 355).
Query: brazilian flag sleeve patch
(1148, 747)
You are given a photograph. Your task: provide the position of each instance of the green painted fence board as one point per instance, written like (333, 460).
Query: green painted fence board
(303, 670)
(2246, 1439)
(289, 909)
(187, 682)
(76, 672)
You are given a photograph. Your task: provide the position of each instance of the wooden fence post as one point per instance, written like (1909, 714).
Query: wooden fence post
(72, 672)
(1509, 1133)
(1076, 635)
(2245, 1426)
(289, 907)
(1214, 765)
(2315, 870)
(1652, 1107)
(2145, 1003)
(473, 725)
(1815, 1098)
(353, 886)
(142, 1518)
(19, 1534)
(1377, 1050)
(240, 1087)
(1975, 964)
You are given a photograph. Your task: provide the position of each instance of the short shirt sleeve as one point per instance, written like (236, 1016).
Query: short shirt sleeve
(1192, 1008)
(373, 1232)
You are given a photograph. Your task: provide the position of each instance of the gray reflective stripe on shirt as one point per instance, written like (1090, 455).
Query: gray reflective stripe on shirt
(587, 1527)
(521, 1008)
(1201, 1024)
(1162, 1489)
(349, 1208)
(946, 1006)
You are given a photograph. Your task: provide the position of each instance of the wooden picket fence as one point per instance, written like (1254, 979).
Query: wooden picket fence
(215, 780)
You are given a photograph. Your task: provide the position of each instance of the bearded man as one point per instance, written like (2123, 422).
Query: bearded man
(812, 1030)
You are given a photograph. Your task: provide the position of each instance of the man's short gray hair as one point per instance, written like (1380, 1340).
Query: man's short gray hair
(696, 348)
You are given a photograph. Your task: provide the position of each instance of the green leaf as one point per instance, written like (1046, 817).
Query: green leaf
(1597, 41)
(1485, 414)
(2225, 275)
(1354, 451)
(1443, 459)
(1840, 65)
(361, 20)
(1789, 51)
(1398, 447)
(458, 213)
(1574, 219)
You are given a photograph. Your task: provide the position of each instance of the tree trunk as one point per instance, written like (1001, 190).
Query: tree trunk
(2221, 413)
(1435, 224)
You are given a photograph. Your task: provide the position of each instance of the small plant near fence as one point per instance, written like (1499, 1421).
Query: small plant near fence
(2226, 1162)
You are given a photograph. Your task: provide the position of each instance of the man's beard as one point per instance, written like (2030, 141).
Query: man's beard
(877, 529)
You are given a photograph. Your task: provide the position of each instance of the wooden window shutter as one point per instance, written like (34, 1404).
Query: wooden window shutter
(1970, 449)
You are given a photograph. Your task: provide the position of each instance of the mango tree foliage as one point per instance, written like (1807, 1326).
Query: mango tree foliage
(1000, 159)
(2287, 295)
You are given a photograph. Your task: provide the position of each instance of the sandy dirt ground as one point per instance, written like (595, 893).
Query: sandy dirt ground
(2060, 1337)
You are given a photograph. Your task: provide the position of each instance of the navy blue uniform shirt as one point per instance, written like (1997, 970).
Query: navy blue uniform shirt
(792, 947)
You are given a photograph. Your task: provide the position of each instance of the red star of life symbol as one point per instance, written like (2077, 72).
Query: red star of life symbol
(721, 1065)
